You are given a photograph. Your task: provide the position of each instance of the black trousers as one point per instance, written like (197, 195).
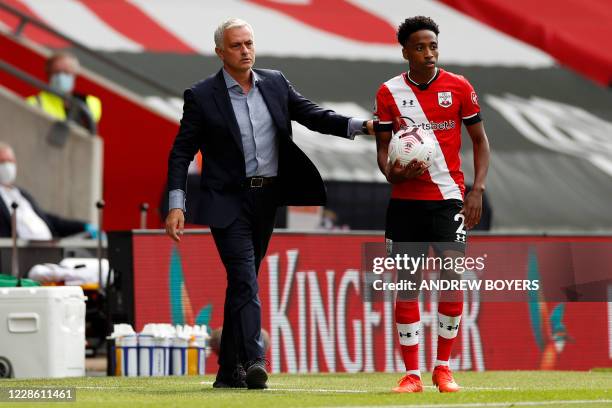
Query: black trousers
(242, 246)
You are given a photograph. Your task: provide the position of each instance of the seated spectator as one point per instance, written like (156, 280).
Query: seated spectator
(62, 69)
(32, 222)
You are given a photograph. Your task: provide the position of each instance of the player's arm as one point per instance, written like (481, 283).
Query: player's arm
(393, 172)
(472, 207)
(382, 148)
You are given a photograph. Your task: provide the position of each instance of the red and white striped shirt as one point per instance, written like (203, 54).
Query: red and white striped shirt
(439, 109)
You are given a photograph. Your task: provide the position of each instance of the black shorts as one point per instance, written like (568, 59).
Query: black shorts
(435, 222)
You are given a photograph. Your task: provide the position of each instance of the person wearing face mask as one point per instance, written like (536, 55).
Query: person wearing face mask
(62, 69)
(32, 222)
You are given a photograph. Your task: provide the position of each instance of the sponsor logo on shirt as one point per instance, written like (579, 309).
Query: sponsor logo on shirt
(445, 125)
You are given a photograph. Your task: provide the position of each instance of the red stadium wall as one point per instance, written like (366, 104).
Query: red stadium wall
(136, 141)
(318, 321)
(565, 31)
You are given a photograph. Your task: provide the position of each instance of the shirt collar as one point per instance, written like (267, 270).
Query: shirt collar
(425, 85)
(230, 82)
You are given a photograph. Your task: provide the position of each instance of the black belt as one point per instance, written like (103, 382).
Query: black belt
(258, 182)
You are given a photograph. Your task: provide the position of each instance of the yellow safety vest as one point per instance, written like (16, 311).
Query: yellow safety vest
(54, 105)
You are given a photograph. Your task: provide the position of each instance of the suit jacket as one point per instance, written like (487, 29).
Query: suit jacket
(209, 125)
(60, 227)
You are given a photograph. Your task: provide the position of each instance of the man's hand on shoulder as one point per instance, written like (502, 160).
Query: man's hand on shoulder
(370, 128)
(175, 224)
(367, 128)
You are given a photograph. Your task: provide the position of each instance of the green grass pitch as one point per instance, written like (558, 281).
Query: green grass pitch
(488, 389)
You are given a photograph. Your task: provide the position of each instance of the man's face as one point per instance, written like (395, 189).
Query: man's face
(65, 65)
(421, 50)
(238, 53)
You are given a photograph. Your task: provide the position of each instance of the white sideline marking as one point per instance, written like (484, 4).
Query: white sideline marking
(365, 391)
(110, 387)
(478, 388)
(317, 390)
(302, 389)
(485, 404)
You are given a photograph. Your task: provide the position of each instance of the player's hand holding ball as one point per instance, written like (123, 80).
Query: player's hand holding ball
(411, 152)
(396, 172)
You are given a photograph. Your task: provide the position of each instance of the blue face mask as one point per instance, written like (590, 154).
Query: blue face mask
(62, 82)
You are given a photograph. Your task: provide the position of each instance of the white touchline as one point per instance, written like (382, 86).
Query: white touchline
(317, 390)
(480, 388)
(110, 387)
(485, 404)
(365, 391)
(304, 389)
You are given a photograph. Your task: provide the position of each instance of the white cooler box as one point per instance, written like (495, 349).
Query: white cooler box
(42, 332)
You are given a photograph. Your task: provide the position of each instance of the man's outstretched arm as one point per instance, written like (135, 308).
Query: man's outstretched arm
(323, 120)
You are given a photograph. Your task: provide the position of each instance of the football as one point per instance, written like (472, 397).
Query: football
(410, 143)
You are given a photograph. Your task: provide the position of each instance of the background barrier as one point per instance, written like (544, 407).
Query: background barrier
(64, 180)
(318, 322)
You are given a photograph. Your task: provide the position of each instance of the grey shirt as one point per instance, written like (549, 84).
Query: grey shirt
(257, 129)
(257, 132)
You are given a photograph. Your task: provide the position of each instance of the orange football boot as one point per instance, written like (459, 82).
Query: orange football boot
(443, 379)
(409, 383)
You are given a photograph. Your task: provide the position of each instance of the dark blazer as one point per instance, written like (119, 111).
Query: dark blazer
(60, 227)
(209, 125)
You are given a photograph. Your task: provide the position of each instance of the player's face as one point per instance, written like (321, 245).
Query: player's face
(421, 50)
(238, 53)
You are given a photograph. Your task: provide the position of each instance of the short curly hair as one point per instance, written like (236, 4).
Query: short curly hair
(414, 24)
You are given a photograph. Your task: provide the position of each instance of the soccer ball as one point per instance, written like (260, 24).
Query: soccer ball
(409, 143)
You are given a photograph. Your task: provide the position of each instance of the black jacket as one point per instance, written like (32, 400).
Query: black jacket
(60, 227)
(209, 125)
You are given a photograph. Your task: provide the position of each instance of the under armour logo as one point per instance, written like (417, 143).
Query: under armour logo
(411, 103)
(408, 334)
(460, 238)
(449, 328)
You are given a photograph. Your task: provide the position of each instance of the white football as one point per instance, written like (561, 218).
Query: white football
(411, 143)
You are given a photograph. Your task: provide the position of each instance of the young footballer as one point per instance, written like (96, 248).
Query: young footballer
(427, 202)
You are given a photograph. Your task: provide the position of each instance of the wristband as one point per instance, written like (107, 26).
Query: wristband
(383, 126)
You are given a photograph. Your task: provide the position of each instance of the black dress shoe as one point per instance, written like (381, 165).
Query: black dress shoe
(232, 379)
(256, 374)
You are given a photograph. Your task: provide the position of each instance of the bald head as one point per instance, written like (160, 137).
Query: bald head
(62, 62)
(6, 153)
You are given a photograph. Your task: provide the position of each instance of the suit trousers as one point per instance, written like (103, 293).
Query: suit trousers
(242, 246)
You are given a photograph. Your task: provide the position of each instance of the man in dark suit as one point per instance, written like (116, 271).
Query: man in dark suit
(240, 119)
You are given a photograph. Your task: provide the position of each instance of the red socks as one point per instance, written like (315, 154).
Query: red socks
(449, 316)
(407, 319)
